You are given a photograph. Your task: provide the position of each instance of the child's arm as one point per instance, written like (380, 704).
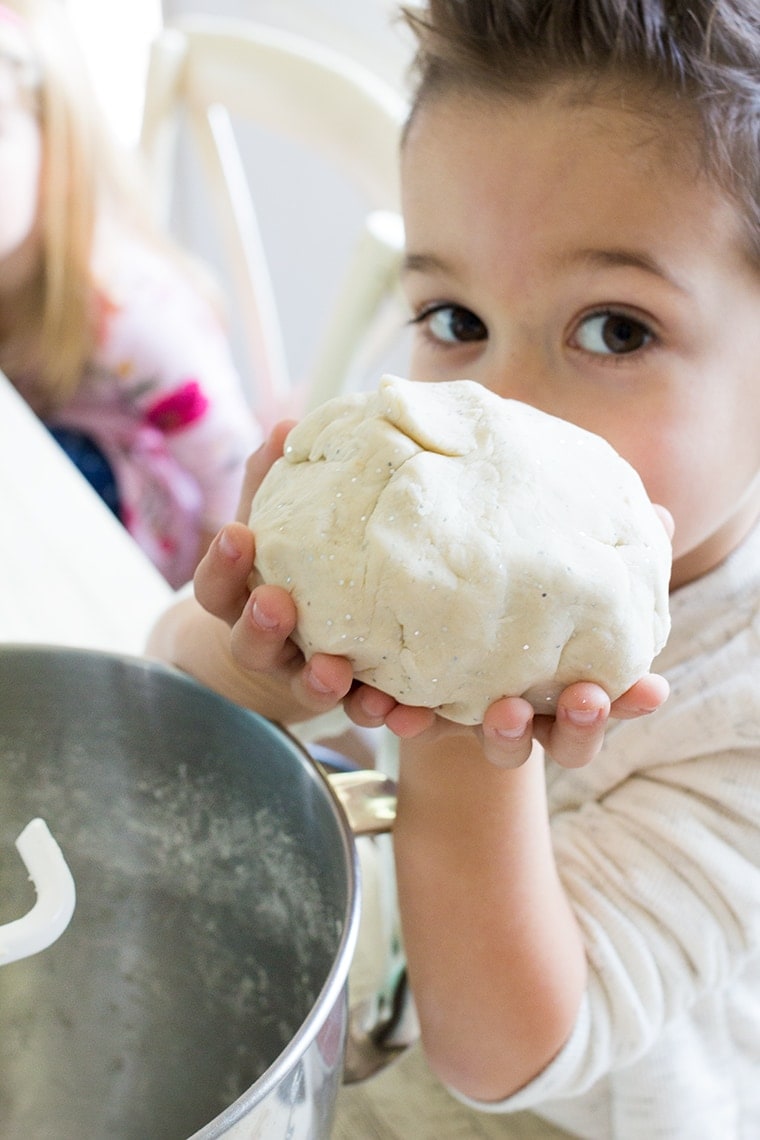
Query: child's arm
(496, 961)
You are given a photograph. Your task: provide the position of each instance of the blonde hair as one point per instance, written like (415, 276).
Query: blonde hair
(82, 176)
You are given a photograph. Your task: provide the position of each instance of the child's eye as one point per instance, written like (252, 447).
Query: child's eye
(451, 324)
(611, 333)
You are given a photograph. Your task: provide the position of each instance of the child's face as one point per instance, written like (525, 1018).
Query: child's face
(20, 158)
(561, 255)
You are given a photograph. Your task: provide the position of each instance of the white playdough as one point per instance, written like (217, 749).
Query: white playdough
(458, 547)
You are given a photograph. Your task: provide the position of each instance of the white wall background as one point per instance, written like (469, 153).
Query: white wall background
(365, 29)
(115, 38)
(308, 214)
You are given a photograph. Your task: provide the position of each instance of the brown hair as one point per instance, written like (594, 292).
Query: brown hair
(704, 55)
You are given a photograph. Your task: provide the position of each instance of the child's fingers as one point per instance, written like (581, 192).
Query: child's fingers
(323, 682)
(368, 707)
(260, 643)
(508, 732)
(260, 636)
(666, 519)
(408, 721)
(644, 697)
(221, 579)
(576, 733)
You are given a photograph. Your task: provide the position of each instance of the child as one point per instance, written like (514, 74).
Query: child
(581, 185)
(102, 328)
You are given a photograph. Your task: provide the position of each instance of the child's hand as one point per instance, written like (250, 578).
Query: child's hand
(572, 737)
(262, 620)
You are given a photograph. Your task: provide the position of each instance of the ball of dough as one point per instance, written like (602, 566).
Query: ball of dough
(457, 547)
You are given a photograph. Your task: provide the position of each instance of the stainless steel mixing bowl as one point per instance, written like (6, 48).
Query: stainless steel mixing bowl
(200, 989)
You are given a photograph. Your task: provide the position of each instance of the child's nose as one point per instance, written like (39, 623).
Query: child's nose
(517, 375)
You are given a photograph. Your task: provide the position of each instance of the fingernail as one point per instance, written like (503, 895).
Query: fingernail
(262, 619)
(317, 685)
(375, 704)
(582, 718)
(508, 733)
(228, 546)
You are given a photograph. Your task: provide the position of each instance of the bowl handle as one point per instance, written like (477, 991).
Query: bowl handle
(368, 799)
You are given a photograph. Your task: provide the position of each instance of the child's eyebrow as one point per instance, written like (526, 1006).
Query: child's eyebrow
(423, 263)
(589, 257)
(621, 258)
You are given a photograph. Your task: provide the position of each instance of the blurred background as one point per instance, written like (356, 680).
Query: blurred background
(309, 215)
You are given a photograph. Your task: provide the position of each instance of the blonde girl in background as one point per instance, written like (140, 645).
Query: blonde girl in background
(112, 337)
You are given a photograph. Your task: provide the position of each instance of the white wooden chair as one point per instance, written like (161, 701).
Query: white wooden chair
(205, 70)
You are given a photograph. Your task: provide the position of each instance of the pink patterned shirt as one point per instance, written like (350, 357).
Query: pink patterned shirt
(163, 402)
